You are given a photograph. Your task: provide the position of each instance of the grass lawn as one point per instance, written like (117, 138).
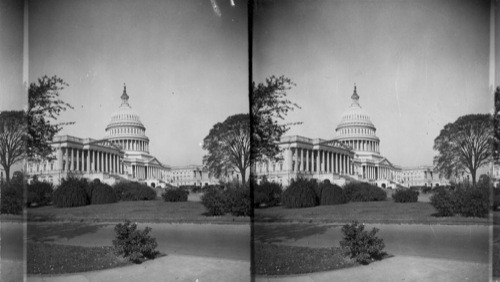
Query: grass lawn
(275, 259)
(58, 259)
(156, 211)
(368, 212)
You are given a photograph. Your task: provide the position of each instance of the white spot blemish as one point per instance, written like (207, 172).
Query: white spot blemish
(216, 8)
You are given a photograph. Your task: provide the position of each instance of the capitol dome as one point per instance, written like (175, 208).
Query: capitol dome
(356, 128)
(125, 128)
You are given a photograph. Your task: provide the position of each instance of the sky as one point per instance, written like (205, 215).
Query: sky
(12, 93)
(184, 64)
(418, 65)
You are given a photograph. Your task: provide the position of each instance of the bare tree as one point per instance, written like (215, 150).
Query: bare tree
(12, 139)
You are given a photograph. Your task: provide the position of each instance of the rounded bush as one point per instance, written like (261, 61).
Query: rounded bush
(267, 194)
(442, 200)
(71, 193)
(11, 198)
(405, 196)
(300, 194)
(472, 202)
(136, 245)
(39, 193)
(175, 195)
(362, 245)
(102, 193)
(238, 201)
(214, 201)
(363, 192)
(332, 194)
(134, 191)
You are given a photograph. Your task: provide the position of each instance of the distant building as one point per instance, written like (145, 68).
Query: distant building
(352, 154)
(123, 154)
(189, 175)
(421, 176)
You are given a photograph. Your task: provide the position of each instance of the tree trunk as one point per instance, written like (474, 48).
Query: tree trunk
(242, 172)
(473, 173)
(7, 173)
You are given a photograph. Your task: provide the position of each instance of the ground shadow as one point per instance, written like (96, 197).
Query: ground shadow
(50, 232)
(277, 233)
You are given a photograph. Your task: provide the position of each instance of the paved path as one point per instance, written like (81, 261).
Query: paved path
(421, 252)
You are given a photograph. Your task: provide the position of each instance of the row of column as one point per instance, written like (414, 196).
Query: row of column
(146, 172)
(370, 172)
(304, 160)
(363, 145)
(88, 160)
(133, 145)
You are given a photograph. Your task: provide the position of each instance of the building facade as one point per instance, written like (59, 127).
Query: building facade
(422, 176)
(123, 154)
(353, 154)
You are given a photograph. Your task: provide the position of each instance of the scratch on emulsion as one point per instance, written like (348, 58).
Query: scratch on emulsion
(396, 87)
(216, 8)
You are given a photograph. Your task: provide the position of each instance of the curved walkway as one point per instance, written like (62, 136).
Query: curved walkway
(421, 252)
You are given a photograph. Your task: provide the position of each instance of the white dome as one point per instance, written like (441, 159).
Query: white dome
(356, 127)
(125, 124)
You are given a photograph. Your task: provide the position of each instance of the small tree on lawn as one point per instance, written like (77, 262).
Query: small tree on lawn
(228, 146)
(464, 146)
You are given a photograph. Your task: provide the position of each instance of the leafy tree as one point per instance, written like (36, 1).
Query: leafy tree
(12, 139)
(44, 107)
(464, 146)
(269, 106)
(228, 146)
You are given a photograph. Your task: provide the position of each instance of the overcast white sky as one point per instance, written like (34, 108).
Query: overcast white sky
(185, 66)
(417, 65)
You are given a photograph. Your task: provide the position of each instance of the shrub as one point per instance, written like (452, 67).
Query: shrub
(71, 193)
(465, 201)
(134, 191)
(196, 189)
(362, 245)
(214, 200)
(300, 194)
(266, 194)
(472, 202)
(175, 195)
(135, 244)
(101, 193)
(442, 201)
(39, 193)
(12, 199)
(363, 192)
(426, 189)
(331, 194)
(238, 201)
(405, 196)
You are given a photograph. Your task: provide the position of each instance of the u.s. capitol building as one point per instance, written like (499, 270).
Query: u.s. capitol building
(353, 154)
(123, 154)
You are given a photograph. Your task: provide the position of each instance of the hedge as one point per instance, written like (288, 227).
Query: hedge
(101, 193)
(175, 195)
(39, 193)
(405, 196)
(266, 194)
(71, 193)
(363, 192)
(134, 191)
(301, 194)
(331, 194)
